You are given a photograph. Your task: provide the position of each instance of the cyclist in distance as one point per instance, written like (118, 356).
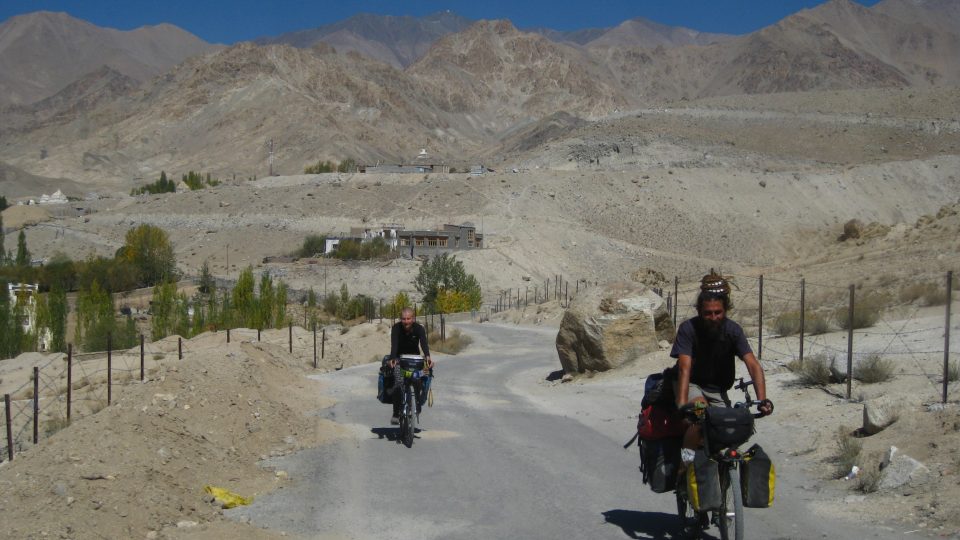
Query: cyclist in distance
(407, 337)
(705, 348)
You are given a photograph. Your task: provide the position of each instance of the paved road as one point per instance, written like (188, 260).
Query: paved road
(502, 455)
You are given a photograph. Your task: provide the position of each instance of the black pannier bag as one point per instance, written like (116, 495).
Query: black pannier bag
(385, 381)
(757, 478)
(659, 461)
(703, 483)
(728, 427)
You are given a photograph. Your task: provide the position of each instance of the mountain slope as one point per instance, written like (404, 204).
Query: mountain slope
(42, 52)
(398, 41)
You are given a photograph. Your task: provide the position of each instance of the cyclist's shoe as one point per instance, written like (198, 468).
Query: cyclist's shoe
(395, 420)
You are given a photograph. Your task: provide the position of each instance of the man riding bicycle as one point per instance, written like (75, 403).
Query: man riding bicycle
(705, 348)
(407, 337)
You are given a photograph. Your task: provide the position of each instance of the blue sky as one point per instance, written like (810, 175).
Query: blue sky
(230, 21)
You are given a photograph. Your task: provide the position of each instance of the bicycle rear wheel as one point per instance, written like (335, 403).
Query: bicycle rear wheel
(690, 521)
(730, 516)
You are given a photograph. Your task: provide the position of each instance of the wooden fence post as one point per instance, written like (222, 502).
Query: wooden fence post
(69, 378)
(179, 348)
(228, 335)
(290, 336)
(141, 358)
(850, 345)
(109, 369)
(6, 403)
(36, 404)
(946, 336)
(803, 314)
(676, 299)
(760, 322)
(323, 342)
(314, 345)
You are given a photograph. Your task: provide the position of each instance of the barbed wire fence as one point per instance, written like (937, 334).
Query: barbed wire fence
(65, 386)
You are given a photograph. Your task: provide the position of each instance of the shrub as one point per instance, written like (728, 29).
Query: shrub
(866, 313)
(953, 372)
(869, 479)
(320, 167)
(848, 452)
(929, 294)
(54, 425)
(787, 323)
(455, 342)
(874, 369)
(816, 324)
(813, 372)
(312, 245)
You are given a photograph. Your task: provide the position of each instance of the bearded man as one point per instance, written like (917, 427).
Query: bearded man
(705, 348)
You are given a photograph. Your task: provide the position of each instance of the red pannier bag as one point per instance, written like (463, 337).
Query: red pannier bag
(657, 422)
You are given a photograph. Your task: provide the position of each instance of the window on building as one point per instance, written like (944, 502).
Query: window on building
(419, 242)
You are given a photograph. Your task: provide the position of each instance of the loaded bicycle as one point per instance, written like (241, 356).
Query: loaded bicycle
(709, 491)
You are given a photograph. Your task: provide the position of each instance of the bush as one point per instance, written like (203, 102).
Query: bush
(312, 245)
(866, 313)
(874, 370)
(320, 167)
(953, 372)
(848, 452)
(813, 372)
(869, 479)
(787, 324)
(455, 342)
(929, 294)
(816, 324)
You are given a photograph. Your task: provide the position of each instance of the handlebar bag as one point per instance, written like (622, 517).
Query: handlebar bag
(757, 478)
(728, 427)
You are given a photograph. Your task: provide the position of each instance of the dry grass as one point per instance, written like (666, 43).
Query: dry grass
(848, 453)
(54, 425)
(928, 294)
(870, 474)
(813, 372)
(788, 324)
(953, 372)
(874, 369)
(455, 342)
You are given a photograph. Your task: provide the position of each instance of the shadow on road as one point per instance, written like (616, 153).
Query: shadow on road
(645, 525)
(390, 433)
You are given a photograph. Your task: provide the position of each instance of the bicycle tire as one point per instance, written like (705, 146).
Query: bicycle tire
(730, 516)
(409, 415)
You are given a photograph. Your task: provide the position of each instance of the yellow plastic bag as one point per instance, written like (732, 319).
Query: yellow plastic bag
(228, 499)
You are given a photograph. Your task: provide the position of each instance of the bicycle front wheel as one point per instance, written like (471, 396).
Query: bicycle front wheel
(730, 516)
(409, 417)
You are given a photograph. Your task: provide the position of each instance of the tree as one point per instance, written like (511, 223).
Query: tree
(58, 308)
(3, 250)
(23, 254)
(446, 273)
(149, 250)
(312, 245)
(206, 279)
(244, 300)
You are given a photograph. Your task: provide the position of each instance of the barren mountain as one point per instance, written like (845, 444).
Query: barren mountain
(646, 34)
(398, 41)
(493, 68)
(42, 52)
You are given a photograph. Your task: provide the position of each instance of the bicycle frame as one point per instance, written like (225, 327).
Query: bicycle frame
(729, 518)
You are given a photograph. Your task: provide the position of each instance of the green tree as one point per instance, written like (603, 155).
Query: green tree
(23, 254)
(7, 348)
(95, 319)
(149, 250)
(312, 245)
(446, 273)
(163, 313)
(58, 308)
(206, 279)
(347, 165)
(3, 250)
(280, 305)
(244, 300)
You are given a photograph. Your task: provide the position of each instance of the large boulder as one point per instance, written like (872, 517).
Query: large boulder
(610, 324)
